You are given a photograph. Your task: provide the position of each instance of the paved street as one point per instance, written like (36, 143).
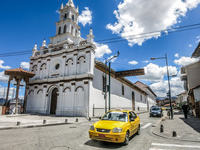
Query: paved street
(75, 137)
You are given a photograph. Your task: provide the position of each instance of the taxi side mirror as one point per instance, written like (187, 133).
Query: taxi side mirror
(132, 119)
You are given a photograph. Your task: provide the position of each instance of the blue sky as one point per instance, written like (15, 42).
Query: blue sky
(24, 23)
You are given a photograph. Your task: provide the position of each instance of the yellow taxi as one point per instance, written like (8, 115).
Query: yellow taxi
(116, 126)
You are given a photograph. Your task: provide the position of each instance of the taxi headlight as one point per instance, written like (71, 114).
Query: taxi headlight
(116, 130)
(92, 127)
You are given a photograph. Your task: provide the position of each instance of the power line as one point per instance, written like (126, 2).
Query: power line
(121, 39)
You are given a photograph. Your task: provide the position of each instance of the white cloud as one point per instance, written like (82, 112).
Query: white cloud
(85, 17)
(190, 45)
(25, 65)
(185, 61)
(3, 91)
(155, 73)
(136, 17)
(3, 67)
(176, 55)
(133, 62)
(101, 50)
(3, 78)
(146, 61)
(57, 11)
(198, 39)
(161, 87)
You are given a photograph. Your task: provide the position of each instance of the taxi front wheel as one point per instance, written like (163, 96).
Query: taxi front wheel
(138, 131)
(126, 141)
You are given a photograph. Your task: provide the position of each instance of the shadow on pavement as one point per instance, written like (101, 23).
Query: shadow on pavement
(193, 122)
(101, 144)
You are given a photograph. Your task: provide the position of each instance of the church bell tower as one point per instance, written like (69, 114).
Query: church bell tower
(67, 28)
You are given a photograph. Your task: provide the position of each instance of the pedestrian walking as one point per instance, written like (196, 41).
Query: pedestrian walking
(185, 108)
(138, 108)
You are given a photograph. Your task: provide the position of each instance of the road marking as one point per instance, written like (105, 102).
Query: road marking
(145, 126)
(83, 124)
(158, 149)
(175, 145)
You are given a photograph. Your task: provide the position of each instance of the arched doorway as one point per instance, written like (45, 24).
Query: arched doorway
(54, 96)
(133, 101)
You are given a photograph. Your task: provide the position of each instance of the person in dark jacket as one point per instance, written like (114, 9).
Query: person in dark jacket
(185, 108)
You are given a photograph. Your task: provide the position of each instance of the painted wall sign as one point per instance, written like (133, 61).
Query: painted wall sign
(126, 73)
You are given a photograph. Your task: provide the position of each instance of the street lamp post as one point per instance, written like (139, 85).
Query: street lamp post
(105, 95)
(168, 82)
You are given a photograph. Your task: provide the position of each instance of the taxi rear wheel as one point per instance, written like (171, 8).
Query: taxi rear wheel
(126, 141)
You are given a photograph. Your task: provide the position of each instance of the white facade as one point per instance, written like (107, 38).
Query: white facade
(68, 80)
(181, 98)
(197, 94)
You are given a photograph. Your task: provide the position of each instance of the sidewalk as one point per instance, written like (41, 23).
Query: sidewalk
(186, 129)
(30, 121)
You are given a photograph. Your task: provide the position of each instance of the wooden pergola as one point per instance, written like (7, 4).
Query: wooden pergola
(18, 74)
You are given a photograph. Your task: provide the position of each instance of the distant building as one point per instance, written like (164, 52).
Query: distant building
(181, 98)
(69, 81)
(151, 96)
(191, 79)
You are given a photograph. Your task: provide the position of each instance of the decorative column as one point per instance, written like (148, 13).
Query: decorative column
(25, 95)
(86, 97)
(73, 84)
(7, 94)
(75, 64)
(17, 93)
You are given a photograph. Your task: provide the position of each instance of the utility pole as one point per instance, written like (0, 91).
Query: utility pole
(105, 81)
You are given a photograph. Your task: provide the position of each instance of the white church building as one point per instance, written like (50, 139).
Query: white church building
(68, 80)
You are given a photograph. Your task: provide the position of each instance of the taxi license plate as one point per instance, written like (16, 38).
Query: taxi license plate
(102, 135)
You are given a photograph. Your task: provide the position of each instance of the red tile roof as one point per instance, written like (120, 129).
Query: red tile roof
(19, 71)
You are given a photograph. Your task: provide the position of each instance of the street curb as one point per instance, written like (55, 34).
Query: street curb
(32, 126)
(169, 137)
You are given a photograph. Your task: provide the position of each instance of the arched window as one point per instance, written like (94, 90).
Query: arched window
(59, 30)
(72, 17)
(72, 29)
(65, 27)
(65, 17)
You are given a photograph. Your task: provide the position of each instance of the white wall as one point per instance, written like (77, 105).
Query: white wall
(197, 94)
(193, 75)
(117, 99)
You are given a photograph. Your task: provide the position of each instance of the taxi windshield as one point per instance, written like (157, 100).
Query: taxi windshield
(115, 116)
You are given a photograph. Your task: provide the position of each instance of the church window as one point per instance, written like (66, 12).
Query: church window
(122, 90)
(59, 31)
(72, 17)
(57, 66)
(76, 32)
(141, 97)
(65, 27)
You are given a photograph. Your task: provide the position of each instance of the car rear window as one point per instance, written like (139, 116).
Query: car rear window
(155, 108)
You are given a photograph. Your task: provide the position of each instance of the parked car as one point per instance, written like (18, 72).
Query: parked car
(156, 111)
(116, 126)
